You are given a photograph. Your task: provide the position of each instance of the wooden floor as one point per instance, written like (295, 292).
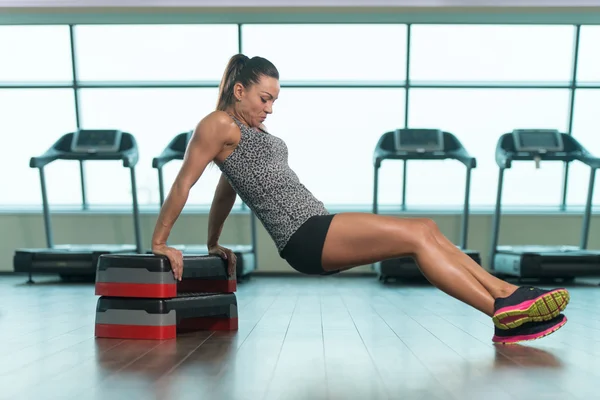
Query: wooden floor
(299, 338)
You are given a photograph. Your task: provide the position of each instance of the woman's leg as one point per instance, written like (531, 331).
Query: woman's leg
(496, 287)
(514, 306)
(357, 239)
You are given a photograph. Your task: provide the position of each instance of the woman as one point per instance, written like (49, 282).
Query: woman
(313, 241)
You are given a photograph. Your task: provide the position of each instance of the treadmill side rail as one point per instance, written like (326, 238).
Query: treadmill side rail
(548, 265)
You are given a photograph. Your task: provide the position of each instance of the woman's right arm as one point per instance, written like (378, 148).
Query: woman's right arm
(206, 143)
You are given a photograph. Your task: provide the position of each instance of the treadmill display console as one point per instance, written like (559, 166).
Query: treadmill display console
(96, 141)
(538, 140)
(419, 140)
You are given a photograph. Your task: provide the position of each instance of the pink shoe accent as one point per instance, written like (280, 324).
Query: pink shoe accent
(534, 336)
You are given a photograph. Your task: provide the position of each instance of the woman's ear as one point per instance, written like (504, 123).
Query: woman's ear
(238, 91)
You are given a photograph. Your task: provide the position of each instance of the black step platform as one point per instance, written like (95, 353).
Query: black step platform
(127, 318)
(244, 254)
(151, 276)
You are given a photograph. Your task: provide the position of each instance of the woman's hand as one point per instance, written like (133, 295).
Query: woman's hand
(175, 258)
(225, 254)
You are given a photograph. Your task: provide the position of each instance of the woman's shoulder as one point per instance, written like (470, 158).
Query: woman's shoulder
(217, 126)
(218, 119)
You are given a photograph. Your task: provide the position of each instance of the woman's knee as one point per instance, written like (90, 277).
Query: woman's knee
(425, 234)
(430, 224)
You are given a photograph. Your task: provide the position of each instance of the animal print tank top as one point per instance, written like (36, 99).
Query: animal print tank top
(258, 171)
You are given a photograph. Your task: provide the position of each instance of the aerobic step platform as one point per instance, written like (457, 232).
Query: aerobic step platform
(127, 318)
(151, 276)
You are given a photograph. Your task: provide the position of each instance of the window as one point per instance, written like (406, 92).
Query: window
(330, 52)
(460, 53)
(35, 53)
(331, 135)
(154, 52)
(588, 68)
(586, 126)
(330, 132)
(37, 118)
(478, 117)
(154, 117)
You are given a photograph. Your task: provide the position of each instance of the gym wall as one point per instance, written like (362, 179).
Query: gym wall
(431, 104)
(27, 230)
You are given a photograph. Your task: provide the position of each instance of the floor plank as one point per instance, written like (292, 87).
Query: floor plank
(298, 338)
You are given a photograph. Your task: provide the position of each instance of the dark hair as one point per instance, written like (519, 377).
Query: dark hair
(245, 70)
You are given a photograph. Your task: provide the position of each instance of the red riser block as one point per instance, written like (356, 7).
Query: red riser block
(135, 332)
(165, 332)
(164, 291)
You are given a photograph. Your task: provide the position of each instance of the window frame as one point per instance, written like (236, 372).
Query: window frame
(407, 85)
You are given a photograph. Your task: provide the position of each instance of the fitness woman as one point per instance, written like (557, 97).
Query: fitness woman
(254, 165)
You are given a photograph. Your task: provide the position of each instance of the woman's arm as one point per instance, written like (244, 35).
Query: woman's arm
(206, 143)
(219, 210)
(221, 207)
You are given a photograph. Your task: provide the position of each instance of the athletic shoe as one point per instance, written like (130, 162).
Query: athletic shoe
(529, 304)
(529, 331)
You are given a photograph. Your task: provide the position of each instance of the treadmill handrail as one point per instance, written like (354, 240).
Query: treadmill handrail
(577, 152)
(165, 157)
(458, 153)
(49, 156)
(128, 155)
(588, 159)
(171, 152)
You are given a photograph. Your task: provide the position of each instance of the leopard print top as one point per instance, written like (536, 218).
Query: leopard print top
(258, 171)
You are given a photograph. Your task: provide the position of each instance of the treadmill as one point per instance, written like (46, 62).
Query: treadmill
(420, 144)
(245, 254)
(69, 260)
(543, 262)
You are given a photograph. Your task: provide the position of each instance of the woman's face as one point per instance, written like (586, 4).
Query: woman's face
(256, 101)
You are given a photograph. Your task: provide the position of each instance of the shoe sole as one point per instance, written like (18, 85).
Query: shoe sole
(542, 308)
(528, 338)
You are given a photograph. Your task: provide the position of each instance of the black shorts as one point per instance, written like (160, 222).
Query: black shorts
(304, 249)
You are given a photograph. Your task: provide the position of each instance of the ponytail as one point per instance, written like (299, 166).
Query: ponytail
(245, 70)
(232, 72)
